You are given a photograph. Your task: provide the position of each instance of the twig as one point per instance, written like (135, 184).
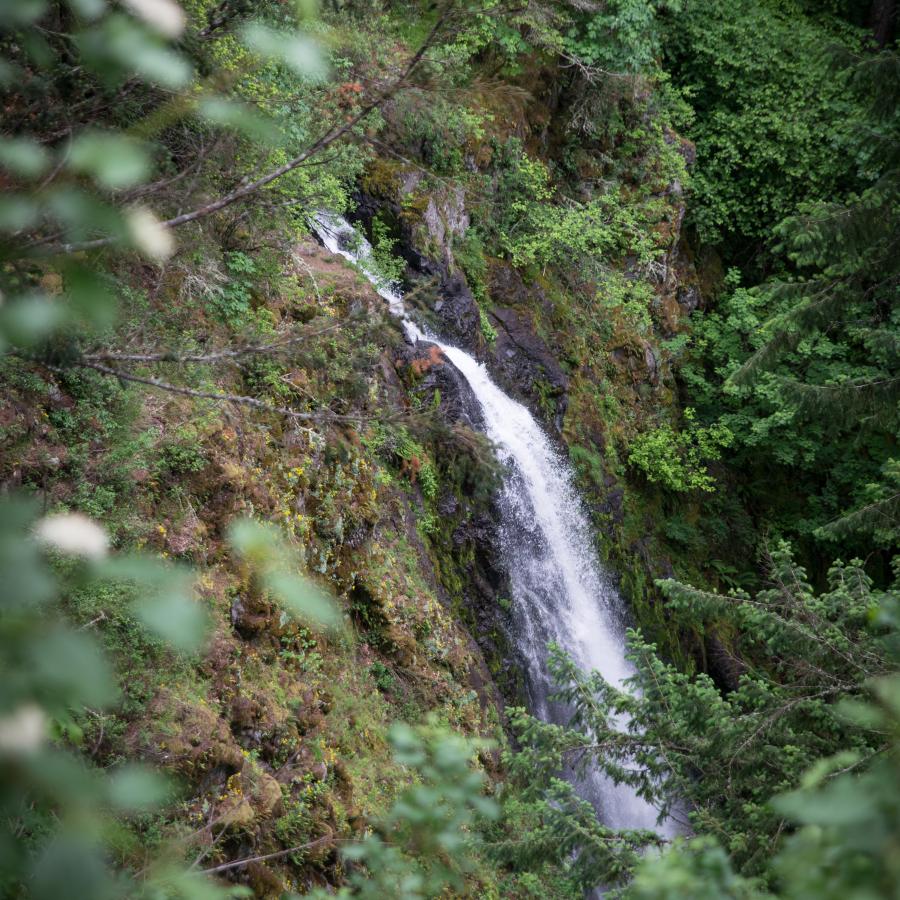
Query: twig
(207, 358)
(100, 618)
(239, 399)
(252, 859)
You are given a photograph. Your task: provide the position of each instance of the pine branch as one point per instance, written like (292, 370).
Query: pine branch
(848, 403)
(882, 514)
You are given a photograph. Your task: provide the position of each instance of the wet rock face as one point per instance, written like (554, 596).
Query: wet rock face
(427, 247)
(457, 311)
(521, 359)
(473, 533)
(431, 376)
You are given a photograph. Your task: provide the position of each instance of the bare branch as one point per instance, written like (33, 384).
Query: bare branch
(227, 355)
(252, 859)
(238, 399)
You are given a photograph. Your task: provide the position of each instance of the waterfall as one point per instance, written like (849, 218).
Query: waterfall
(560, 591)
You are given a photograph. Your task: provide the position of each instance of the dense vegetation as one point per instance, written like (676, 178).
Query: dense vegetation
(251, 645)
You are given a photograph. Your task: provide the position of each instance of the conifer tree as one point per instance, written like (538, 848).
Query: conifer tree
(846, 257)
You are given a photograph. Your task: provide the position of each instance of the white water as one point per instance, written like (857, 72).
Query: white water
(560, 591)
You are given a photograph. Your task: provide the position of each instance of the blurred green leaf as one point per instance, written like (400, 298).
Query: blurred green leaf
(23, 156)
(21, 12)
(265, 551)
(83, 215)
(89, 9)
(252, 540)
(72, 866)
(90, 296)
(37, 48)
(119, 47)
(239, 117)
(193, 885)
(176, 618)
(133, 787)
(17, 213)
(299, 53)
(112, 159)
(69, 670)
(839, 803)
(28, 320)
(302, 598)
(26, 582)
(165, 604)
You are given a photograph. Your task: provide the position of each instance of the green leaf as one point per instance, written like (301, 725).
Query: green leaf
(28, 320)
(841, 803)
(239, 117)
(71, 670)
(134, 787)
(89, 9)
(299, 53)
(120, 47)
(303, 598)
(17, 213)
(23, 156)
(176, 618)
(71, 865)
(84, 216)
(252, 540)
(165, 605)
(113, 160)
(90, 296)
(20, 12)
(265, 551)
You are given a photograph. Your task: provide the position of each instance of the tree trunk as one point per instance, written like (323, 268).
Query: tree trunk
(882, 19)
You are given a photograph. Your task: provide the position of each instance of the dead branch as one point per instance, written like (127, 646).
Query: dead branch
(252, 859)
(219, 356)
(237, 399)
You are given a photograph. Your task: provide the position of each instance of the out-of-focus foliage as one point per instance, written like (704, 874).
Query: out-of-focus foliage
(63, 820)
(424, 846)
(104, 110)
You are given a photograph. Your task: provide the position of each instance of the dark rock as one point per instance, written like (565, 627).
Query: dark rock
(724, 666)
(432, 375)
(448, 504)
(523, 362)
(523, 356)
(457, 311)
(688, 297)
(613, 505)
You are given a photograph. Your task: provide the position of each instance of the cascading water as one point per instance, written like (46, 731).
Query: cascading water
(561, 593)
